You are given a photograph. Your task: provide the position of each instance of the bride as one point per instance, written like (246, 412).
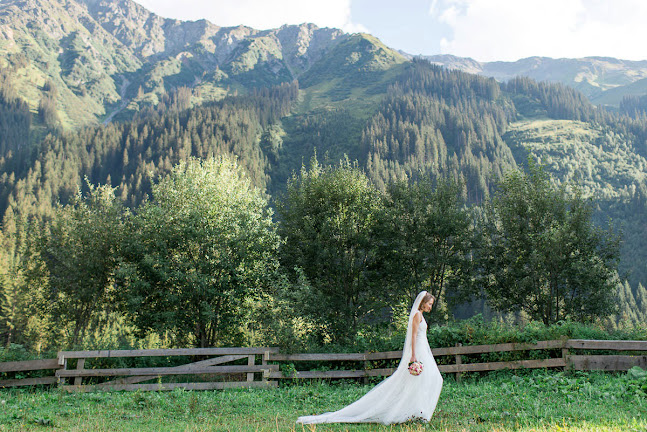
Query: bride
(402, 396)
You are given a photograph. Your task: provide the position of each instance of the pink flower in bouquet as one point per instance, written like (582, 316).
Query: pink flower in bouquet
(415, 368)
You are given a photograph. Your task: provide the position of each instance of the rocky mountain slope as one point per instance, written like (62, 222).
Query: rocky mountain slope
(108, 59)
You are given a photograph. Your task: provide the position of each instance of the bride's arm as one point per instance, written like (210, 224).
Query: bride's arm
(414, 331)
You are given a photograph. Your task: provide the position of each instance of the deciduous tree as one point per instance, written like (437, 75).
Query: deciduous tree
(204, 244)
(328, 218)
(542, 253)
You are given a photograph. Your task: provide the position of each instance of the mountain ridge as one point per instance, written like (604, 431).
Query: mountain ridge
(109, 60)
(112, 58)
(599, 78)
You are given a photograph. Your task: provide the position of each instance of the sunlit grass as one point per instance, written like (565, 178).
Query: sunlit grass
(530, 402)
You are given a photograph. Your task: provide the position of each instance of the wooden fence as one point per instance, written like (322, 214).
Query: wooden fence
(566, 348)
(199, 374)
(129, 378)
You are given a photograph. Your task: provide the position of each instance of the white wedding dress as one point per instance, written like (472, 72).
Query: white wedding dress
(400, 397)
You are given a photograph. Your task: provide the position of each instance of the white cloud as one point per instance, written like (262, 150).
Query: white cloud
(432, 7)
(259, 14)
(511, 29)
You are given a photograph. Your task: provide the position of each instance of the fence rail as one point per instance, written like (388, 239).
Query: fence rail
(30, 365)
(267, 373)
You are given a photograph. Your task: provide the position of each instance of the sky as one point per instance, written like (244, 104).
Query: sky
(485, 30)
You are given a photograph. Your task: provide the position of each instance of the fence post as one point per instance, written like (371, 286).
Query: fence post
(62, 361)
(264, 358)
(250, 362)
(459, 362)
(80, 364)
(365, 380)
(565, 354)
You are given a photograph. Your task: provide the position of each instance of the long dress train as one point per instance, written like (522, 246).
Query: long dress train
(400, 397)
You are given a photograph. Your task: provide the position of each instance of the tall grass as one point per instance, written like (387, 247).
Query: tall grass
(525, 401)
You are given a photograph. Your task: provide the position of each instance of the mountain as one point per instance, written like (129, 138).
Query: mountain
(108, 91)
(110, 59)
(603, 80)
(60, 44)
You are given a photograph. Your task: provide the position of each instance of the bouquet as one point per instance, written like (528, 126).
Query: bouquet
(415, 368)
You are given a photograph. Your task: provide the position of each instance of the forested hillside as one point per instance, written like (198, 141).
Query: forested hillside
(274, 100)
(430, 121)
(603, 80)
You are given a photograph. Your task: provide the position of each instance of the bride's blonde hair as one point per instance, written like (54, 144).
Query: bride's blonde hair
(426, 299)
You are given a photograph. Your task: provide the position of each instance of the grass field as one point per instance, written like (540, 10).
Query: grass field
(537, 401)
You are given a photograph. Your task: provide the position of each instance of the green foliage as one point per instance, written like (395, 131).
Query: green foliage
(124, 155)
(556, 100)
(204, 244)
(276, 317)
(22, 284)
(402, 121)
(541, 252)
(476, 331)
(79, 251)
(47, 111)
(426, 239)
(635, 106)
(16, 352)
(15, 123)
(637, 382)
(327, 132)
(632, 309)
(440, 123)
(360, 61)
(604, 164)
(328, 218)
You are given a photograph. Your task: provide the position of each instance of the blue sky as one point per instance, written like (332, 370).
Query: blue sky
(485, 30)
(405, 24)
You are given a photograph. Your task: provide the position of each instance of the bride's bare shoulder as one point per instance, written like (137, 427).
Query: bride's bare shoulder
(417, 317)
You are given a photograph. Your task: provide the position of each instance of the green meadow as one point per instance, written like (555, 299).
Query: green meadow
(527, 401)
